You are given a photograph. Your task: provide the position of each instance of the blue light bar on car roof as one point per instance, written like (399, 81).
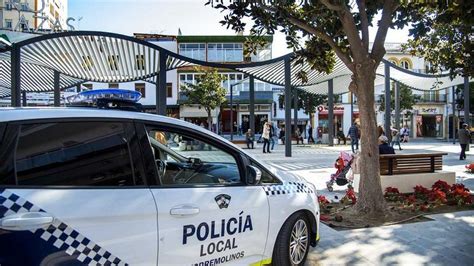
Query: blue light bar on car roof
(111, 94)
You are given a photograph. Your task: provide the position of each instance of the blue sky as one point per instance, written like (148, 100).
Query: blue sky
(165, 17)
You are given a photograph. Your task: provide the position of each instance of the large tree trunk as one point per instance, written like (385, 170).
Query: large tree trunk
(371, 198)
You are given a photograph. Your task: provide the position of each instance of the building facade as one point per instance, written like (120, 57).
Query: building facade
(33, 15)
(430, 117)
(225, 49)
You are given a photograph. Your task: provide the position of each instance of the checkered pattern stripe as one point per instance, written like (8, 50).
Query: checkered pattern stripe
(59, 234)
(290, 188)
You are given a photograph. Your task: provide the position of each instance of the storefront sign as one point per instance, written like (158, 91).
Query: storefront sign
(428, 110)
(324, 109)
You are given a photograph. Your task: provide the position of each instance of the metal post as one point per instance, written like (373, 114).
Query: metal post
(252, 105)
(287, 107)
(15, 73)
(23, 96)
(295, 110)
(397, 106)
(161, 86)
(57, 92)
(331, 112)
(231, 113)
(466, 101)
(454, 115)
(387, 102)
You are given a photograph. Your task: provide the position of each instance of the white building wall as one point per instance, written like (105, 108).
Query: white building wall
(51, 7)
(280, 113)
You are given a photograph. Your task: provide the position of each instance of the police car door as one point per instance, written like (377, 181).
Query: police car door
(72, 193)
(207, 215)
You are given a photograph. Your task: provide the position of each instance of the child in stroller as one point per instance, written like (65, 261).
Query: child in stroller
(343, 166)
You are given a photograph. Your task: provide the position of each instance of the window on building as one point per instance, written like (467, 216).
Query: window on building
(140, 62)
(24, 7)
(8, 5)
(193, 50)
(74, 154)
(169, 90)
(113, 62)
(225, 52)
(140, 87)
(113, 85)
(8, 24)
(87, 62)
(406, 63)
(186, 79)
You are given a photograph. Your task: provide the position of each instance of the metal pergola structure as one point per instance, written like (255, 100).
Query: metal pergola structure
(62, 60)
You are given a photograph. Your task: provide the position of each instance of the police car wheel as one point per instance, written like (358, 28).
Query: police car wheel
(292, 245)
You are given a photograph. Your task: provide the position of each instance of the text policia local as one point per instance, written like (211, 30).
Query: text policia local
(218, 229)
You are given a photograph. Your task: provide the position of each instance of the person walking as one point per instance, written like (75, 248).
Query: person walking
(282, 135)
(272, 135)
(310, 134)
(405, 133)
(396, 138)
(266, 137)
(249, 138)
(298, 136)
(354, 135)
(464, 139)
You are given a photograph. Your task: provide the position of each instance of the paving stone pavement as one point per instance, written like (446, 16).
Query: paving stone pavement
(446, 240)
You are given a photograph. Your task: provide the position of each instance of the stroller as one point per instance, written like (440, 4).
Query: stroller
(343, 166)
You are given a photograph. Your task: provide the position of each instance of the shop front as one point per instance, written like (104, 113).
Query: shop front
(429, 121)
(323, 122)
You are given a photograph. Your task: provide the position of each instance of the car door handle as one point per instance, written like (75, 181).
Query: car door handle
(26, 221)
(184, 210)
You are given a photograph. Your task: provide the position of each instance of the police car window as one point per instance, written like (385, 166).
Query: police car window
(74, 154)
(184, 160)
(266, 178)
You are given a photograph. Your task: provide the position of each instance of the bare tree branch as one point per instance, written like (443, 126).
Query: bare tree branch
(310, 29)
(378, 50)
(350, 29)
(332, 6)
(364, 23)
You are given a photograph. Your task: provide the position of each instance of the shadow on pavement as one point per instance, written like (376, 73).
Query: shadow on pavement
(446, 241)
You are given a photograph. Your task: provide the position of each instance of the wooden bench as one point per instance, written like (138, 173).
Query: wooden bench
(405, 171)
(395, 164)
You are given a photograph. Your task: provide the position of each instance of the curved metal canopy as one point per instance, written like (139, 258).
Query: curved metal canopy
(81, 56)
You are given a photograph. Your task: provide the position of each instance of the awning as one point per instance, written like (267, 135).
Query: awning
(81, 56)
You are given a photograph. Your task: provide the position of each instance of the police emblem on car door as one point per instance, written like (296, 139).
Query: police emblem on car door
(222, 200)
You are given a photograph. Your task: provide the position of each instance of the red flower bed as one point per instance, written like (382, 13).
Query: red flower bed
(322, 200)
(441, 185)
(421, 192)
(393, 194)
(350, 194)
(437, 196)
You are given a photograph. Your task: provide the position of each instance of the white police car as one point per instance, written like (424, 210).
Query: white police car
(100, 187)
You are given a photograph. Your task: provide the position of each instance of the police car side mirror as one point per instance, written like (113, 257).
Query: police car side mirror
(254, 175)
